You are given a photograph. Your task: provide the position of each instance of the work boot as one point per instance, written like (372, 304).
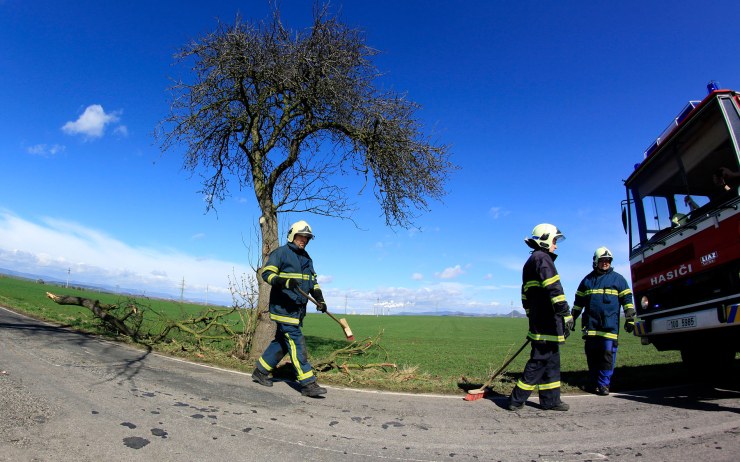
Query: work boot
(602, 391)
(261, 378)
(561, 406)
(313, 390)
(514, 407)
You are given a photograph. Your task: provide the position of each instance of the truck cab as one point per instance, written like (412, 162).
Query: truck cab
(681, 215)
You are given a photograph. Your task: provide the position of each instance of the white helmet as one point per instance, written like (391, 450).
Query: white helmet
(300, 227)
(602, 252)
(544, 236)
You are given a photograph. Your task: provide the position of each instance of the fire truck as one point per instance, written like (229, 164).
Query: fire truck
(681, 215)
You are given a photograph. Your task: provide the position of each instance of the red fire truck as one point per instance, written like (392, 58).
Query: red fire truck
(683, 222)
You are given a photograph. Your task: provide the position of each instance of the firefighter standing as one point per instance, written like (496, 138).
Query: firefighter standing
(288, 267)
(598, 297)
(550, 321)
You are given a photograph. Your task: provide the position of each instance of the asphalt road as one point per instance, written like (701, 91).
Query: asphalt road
(66, 396)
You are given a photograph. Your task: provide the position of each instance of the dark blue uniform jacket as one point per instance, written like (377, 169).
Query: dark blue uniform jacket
(289, 261)
(599, 297)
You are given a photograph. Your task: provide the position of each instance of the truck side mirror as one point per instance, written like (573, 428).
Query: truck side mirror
(624, 218)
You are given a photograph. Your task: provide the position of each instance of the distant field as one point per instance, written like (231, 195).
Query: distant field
(432, 352)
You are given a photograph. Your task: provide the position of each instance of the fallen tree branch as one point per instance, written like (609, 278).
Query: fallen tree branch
(338, 358)
(99, 310)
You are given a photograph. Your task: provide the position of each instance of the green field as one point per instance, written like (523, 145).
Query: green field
(432, 353)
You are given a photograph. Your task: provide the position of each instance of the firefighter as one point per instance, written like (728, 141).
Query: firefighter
(288, 267)
(550, 321)
(598, 298)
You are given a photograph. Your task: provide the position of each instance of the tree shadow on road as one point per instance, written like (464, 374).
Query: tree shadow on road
(120, 368)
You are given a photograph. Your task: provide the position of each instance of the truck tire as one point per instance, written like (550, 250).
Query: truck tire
(708, 363)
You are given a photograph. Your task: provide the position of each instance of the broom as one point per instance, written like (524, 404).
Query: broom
(342, 322)
(479, 393)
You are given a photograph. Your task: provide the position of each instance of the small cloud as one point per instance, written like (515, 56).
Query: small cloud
(488, 277)
(121, 130)
(450, 273)
(417, 276)
(44, 150)
(325, 279)
(91, 123)
(198, 236)
(497, 212)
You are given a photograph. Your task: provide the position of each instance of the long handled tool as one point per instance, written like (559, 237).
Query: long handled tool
(481, 392)
(342, 322)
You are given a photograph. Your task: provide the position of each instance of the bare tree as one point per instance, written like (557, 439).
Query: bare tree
(284, 112)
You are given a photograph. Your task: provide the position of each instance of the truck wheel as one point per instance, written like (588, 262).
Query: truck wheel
(706, 362)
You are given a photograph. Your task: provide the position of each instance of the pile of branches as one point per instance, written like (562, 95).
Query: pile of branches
(340, 359)
(213, 326)
(126, 319)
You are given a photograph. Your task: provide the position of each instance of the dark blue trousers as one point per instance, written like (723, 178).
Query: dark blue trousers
(541, 372)
(288, 340)
(601, 356)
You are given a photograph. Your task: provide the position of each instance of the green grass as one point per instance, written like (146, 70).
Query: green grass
(433, 353)
(449, 348)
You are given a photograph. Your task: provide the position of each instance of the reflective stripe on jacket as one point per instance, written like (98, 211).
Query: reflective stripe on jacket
(288, 306)
(599, 297)
(543, 298)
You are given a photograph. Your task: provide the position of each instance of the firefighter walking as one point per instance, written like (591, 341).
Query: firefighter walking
(288, 267)
(550, 321)
(598, 299)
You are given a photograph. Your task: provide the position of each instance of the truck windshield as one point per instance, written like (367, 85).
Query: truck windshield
(679, 183)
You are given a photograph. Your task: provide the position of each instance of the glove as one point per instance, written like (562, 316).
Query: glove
(575, 314)
(285, 283)
(568, 325)
(319, 297)
(629, 321)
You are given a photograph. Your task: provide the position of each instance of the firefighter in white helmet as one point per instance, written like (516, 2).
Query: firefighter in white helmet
(288, 267)
(598, 299)
(550, 321)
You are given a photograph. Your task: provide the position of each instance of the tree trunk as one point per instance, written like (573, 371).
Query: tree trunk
(265, 329)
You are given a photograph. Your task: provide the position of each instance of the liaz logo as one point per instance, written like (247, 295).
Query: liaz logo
(708, 259)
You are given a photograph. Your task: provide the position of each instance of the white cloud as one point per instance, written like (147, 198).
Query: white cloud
(437, 297)
(45, 150)
(92, 122)
(450, 273)
(497, 212)
(121, 130)
(325, 279)
(58, 248)
(417, 277)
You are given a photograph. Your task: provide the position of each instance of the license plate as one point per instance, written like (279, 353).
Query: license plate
(681, 323)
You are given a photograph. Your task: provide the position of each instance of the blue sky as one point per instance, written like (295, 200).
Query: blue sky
(546, 107)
